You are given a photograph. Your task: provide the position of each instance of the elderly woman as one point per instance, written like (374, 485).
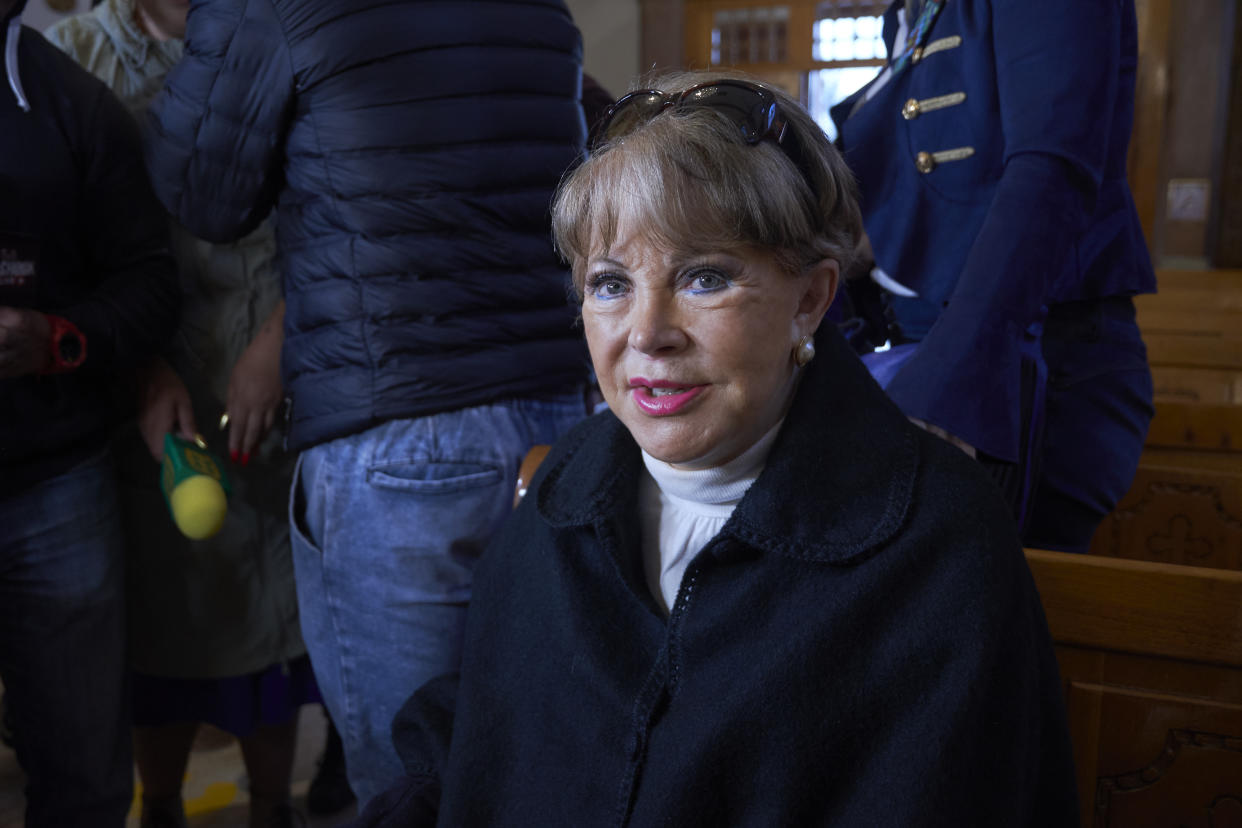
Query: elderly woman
(750, 593)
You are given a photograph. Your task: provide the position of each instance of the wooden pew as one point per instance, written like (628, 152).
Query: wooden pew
(1183, 508)
(1185, 504)
(1195, 320)
(1151, 663)
(1225, 296)
(1171, 279)
(1210, 428)
(1188, 384)
(1193, 350)
(1184, 312)
(1202, 338)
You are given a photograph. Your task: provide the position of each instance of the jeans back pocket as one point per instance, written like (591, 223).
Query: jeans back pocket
(433, 477)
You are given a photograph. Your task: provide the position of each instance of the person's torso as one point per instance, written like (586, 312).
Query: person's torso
(46, 422)
(420, 159)
(816, 648)
(929, 148)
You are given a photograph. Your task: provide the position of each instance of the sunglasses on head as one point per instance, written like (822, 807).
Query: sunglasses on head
(751, 108)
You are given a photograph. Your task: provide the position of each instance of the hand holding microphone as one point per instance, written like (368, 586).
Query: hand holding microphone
(196, 489)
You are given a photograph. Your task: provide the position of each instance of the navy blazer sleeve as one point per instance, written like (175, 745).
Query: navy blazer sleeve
(132, 307)
(1057, 81)
(215, 133)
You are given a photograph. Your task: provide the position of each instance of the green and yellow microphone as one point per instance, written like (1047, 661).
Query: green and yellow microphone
(195, 487)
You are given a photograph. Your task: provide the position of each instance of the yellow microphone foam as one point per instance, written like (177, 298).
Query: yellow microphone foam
(199, 506)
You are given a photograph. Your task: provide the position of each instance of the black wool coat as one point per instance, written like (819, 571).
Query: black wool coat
(862, 644)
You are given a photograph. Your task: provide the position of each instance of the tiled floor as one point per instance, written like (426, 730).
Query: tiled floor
(215, 788)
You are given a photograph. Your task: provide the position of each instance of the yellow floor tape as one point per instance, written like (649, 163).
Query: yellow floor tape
(215, 796)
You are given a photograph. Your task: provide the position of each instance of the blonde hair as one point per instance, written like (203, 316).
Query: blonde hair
(688, 181)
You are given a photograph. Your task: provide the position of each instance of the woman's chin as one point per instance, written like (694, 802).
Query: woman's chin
(674, 452)
(686, 454)
(673, 440)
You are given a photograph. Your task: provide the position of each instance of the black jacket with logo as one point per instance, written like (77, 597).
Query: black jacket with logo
(81, 237)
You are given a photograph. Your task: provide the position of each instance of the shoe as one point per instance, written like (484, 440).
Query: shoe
(162, 813)
(286, 816)
(329, 790)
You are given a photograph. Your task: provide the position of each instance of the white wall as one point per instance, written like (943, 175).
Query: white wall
(610, 34)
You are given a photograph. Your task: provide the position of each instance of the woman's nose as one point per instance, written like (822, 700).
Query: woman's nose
(656, 326)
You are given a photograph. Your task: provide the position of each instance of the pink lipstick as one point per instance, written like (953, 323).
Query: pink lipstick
(660, 398)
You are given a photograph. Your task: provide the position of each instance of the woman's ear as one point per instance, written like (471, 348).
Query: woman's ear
(821, 286)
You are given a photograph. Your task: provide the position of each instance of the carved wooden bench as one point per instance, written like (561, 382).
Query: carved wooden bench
(1182, 508)
(1151, 663)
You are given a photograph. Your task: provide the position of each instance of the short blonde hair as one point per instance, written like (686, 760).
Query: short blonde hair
(689, 181)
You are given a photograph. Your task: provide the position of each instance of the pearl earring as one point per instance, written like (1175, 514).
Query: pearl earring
(805, 351)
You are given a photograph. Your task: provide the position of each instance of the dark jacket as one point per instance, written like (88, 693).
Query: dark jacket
(411, 150)
(1024, 110)
(81, 237)
(862, 644)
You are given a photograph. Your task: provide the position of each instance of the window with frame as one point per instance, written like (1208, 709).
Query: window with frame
(848, 49)
(750, 35)
(821, 51)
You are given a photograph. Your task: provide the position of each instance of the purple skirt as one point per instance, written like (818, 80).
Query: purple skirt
(237, 704)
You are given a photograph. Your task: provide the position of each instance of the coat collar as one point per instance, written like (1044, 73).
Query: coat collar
(838, 482)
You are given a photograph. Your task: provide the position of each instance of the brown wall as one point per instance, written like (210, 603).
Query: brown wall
(663, 35)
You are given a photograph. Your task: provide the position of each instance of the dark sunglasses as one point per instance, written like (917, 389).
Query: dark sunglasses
(750, 107)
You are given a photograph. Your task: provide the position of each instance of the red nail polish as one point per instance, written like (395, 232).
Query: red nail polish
(246, 459)
(233, 455)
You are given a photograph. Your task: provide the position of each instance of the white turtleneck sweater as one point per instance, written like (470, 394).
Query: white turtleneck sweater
(681, 510)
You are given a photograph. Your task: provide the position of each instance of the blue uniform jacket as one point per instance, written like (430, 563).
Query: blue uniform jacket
(992, 175)
(861, 644)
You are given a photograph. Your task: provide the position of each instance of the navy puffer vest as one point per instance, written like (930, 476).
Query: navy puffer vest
(411, 150)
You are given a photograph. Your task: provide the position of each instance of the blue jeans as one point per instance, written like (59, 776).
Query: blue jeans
(386, 527)
(62, 656)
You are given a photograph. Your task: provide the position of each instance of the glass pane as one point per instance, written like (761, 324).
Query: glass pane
(848, 38)
(754, 35)
(867, 28)
(780, 33)
(826, 87)
(823, 36)
(842, 47)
